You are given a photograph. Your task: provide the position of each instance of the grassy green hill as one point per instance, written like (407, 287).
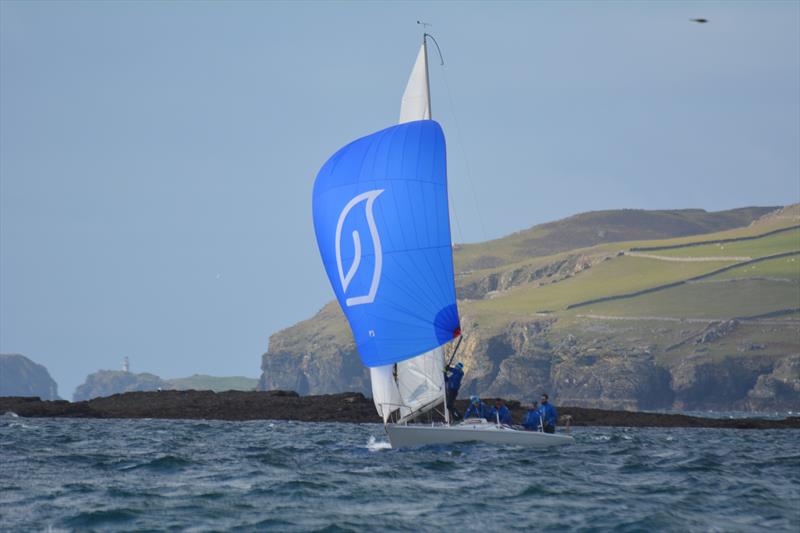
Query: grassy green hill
(597, 227)
(784, 268)
(613, 270)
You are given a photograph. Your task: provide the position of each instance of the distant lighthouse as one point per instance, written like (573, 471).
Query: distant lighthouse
(126, 367)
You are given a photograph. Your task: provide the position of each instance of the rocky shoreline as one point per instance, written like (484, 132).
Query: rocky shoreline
(345, 407)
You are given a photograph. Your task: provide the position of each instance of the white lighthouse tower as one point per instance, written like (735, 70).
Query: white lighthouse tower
(126, 367)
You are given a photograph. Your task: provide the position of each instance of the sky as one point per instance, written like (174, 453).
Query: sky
(157, 158)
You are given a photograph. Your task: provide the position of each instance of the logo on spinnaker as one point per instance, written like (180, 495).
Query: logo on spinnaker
(369, 198)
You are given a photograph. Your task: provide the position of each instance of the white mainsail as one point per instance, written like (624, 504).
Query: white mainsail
(385, 392)
(419, 382)
(416, 385)
(416, 102)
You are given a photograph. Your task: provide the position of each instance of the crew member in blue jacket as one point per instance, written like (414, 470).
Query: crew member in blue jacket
(500, 412)
(453, 377)
(476, 408)
(532, 420)
(548, 414)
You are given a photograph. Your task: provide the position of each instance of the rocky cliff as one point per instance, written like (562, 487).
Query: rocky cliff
(108, 382)
(661, 339)
(19, 376)
(316, 356)
(578, 366)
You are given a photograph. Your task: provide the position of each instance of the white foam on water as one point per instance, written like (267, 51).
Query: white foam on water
(20, 425)
(12, 414)
(374, 445)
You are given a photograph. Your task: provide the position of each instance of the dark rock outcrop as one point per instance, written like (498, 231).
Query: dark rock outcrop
(344, 407)
(19, 376)
(108, 382)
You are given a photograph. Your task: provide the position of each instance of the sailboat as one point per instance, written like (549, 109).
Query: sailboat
(381, 218)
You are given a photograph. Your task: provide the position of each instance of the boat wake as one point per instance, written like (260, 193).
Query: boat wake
(375, 445)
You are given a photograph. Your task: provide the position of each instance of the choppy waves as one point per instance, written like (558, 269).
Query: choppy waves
(62, 474)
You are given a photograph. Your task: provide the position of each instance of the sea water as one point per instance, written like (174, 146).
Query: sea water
(107, 475)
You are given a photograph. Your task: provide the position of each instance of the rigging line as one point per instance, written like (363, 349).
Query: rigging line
(450, 202)
(463, 152)
(455, 350)
(453, 209)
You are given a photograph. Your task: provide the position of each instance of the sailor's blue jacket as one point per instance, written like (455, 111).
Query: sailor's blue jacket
(532, 420)
(504, 415)
(476, 411)
(454, 376)
(548, 414)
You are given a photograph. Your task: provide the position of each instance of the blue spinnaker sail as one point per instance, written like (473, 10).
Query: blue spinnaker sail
(383, 230)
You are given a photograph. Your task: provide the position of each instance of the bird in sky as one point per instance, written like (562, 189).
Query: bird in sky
(699, 21)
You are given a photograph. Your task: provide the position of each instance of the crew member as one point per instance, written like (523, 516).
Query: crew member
(453, 377)
(548, 414)
(500, 413)
(476, 408)
(532, 419)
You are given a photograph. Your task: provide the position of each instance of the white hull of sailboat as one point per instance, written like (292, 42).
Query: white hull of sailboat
(408, 436)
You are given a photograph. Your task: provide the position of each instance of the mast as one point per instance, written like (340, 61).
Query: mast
(430, 116)
(416, 105)
(427, 76)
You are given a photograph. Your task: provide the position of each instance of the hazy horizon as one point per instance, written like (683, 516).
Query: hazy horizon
(156, 159)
